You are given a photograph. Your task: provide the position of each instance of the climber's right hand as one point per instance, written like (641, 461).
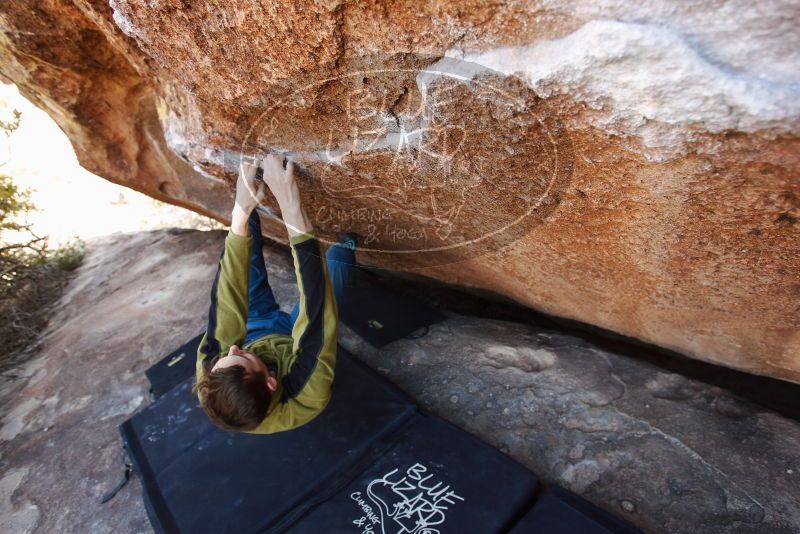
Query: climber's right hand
(279, 177)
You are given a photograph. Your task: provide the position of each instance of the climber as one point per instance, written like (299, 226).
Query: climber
(259, 369)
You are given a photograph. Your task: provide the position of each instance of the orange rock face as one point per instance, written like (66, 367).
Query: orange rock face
(632, 167)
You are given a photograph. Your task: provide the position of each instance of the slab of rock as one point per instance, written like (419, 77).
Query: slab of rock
(136, 298)
(629, 165)
(669, 453)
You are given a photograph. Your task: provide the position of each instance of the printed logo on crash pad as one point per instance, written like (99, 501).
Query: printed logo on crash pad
(409, 502)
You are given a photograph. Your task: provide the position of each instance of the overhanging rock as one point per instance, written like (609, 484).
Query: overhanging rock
(634, 167)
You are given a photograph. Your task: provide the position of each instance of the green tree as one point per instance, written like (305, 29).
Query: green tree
(32, 276)
(8, 126)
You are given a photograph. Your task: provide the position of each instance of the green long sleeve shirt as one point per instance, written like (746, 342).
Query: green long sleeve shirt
(304, 361)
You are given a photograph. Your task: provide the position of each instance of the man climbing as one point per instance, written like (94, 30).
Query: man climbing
(260, 369)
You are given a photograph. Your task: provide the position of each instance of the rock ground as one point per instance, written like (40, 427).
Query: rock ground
(669, 452)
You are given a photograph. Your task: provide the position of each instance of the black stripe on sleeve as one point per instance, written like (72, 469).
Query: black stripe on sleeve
(212, 346)
(309, 258)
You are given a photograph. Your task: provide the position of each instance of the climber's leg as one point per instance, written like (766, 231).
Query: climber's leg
(264, 316)
(341, 261)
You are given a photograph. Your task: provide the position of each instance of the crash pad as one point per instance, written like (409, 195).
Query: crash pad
(371, 439)
(174, 368)
(191, 470)
(559, 511)
(436, 478)
(371, 462)
(382, 316)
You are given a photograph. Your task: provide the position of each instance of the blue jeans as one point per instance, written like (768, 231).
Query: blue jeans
(264, 316)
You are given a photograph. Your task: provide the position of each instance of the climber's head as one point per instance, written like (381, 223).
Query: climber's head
(237, 391)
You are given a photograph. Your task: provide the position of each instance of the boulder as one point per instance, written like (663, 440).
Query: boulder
(629, 165)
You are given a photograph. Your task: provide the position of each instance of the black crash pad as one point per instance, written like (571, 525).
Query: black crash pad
(370, 460)
(435, 479)
(198, 478)
(381, 316)
(173, 368)
(559, 511)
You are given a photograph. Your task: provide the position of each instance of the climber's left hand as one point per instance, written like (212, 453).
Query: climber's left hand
(249, 194)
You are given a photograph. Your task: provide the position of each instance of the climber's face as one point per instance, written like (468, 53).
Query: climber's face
(251, 363)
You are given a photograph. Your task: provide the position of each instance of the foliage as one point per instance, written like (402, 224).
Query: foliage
(8, 127)
(69, 256)
(32, 275)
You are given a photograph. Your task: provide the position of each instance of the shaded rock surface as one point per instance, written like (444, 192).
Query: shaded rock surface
(669, 453)
(131, 302)
(629, 165)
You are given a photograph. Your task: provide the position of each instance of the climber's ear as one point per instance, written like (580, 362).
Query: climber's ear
(272, 382)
